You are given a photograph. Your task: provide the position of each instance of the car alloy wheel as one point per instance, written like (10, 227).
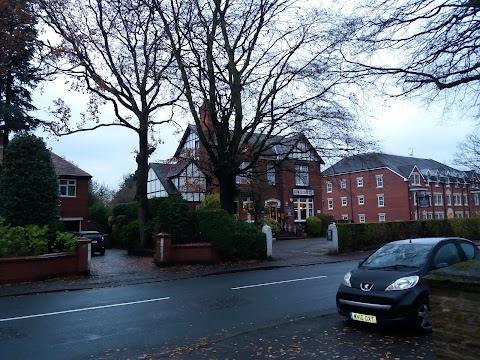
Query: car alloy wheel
(424, 317)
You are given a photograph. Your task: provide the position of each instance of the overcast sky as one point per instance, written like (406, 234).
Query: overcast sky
(402, 128)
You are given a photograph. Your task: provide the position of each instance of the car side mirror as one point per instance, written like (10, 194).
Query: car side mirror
(442, 265)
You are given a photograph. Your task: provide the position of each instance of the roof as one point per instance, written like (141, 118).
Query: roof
(277, 147)
(165, 172)
(402, 165)
(65, 168)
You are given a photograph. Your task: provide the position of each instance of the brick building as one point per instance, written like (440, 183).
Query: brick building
(285, 184)
(376, 187)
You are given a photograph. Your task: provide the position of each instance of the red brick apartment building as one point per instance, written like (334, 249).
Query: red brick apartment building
(287, 178)
(376, 187)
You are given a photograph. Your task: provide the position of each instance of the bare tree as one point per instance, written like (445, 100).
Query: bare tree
(425, 45)
(116, 51)
(261, 70)
(468, 154)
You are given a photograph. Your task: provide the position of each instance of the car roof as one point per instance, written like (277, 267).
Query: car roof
(427, 240)
(86, 232)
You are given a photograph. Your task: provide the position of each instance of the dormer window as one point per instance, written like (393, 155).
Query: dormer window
(415, 179)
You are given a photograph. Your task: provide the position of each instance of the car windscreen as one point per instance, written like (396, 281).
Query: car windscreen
(407, 255)
(93, 236)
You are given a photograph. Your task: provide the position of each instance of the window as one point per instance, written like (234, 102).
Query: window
(465, 200)
(361, 200)
(379, 181)
(459, 215)
(381, 200)
(415, 179)
(303, 209)
(344, 216)
(330, 204)
(343, 184)
(344, 201)
(68, 188)
(476, 199)
(430, 215)
(447, 254)
(244, 178)
(301, 175)
(457, 200)
(271, 175)
(361, 218)
(439, 215)
(360, 182)
(329, 187)
(468, 249)
(381, 217)
(449, 199)
(438, 199)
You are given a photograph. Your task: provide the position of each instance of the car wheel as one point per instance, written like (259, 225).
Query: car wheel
(424, 316)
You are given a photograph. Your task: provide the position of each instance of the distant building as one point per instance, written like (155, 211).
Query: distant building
(286, 179)
(377, 187)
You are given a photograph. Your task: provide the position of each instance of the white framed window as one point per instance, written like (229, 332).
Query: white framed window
(381, 217)
(344, 216)
(381, 200)
(379, 181)
(459, 215)
(329, 187)
(361, 200)
(303, 209)
(330, 204)
(439, 215)
(430, 215)
(467, 214)
(457, 200)
(360, 182)
(465, 200)
(68, 188)
(449, 199)
(343, 184)
(344, 201)
(361, 218)
(415, 179)
(271, 175)
(438, 199)
(301, 175)
(476, 199)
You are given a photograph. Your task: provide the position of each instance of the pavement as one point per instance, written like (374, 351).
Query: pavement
(326, 336)
(117, 268)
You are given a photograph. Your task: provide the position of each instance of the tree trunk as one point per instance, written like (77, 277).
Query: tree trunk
(227, 183)
(142, 173)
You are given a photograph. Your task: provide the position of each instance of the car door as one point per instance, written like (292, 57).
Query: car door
(446, 255)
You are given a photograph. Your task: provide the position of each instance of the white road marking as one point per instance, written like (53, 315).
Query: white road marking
(277, 282)
(82, 309)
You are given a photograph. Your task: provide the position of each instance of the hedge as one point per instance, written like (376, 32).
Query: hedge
(368, 236)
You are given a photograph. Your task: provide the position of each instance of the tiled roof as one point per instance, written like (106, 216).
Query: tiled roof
(165, 171)
(402, 165)
(65, 168)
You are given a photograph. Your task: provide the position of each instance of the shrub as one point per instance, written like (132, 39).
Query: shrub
(127, 209)
(313, 226)
(64, 242)
(211, 201)
(326, 219)
(274, 224)
(130, 236)
(23, 241)
(174, 218)
(234, 239)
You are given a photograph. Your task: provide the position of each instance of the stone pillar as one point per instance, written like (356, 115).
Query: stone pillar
(267, 230)
(84, 254)
(454, 302)
(163, 249)
(332, 238)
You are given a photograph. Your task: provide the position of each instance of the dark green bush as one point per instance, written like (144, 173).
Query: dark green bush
(313, 226)
(127, 209)
(131, 236)
(234, 239)
(64, 242)
(174, 217)
(326, 219)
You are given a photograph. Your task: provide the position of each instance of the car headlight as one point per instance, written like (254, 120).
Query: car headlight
(403, 283)
(346, 279)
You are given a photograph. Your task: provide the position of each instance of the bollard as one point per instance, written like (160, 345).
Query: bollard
(267, 230)
(332, 238)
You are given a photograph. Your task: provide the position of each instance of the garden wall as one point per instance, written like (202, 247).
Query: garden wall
(32, 268)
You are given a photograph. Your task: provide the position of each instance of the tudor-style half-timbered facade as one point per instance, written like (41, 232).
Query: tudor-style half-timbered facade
(377, 187)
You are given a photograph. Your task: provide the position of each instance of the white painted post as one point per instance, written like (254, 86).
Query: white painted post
(161, 249)
(332, 237)
(267, 230)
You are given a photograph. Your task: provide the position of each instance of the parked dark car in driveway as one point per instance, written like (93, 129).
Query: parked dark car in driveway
(98, 242)
(386, 287)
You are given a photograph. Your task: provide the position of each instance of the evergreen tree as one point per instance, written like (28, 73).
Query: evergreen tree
(17, 74)
(28, 183)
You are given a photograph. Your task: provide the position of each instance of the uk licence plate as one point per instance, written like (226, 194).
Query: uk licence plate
(94, 241)
(365, 318)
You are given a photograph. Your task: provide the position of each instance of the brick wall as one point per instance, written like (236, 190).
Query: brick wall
(454, 301)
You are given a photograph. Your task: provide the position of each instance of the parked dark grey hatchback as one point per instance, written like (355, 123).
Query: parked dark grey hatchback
(385, 288)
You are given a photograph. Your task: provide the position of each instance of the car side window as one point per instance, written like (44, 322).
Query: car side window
(468, 249)
(447, 254)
